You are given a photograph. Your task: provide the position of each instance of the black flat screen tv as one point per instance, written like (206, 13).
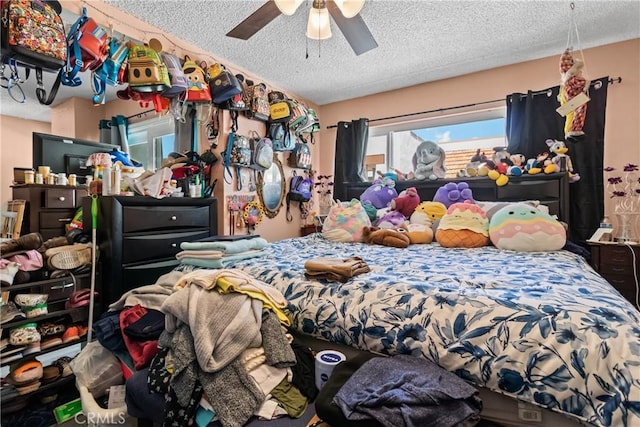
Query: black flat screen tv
(64, 154)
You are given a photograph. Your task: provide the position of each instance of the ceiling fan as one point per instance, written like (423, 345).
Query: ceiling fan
(345, 13)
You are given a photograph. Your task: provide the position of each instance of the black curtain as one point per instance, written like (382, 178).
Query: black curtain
(351, 146)
(532, 119)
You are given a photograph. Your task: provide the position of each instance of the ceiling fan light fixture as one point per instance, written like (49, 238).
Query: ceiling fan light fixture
(288, 7)
(318, 26)
(349, 8)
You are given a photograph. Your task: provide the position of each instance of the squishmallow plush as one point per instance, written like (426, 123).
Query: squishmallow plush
(406, 202)
(465, 225)
(419, 233)
(395, 237)
(520, 227)
(380, 193)
(428, 212)
(452, 192)
(345, 221)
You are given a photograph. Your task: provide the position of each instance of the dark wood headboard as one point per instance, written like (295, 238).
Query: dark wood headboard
(551, 190)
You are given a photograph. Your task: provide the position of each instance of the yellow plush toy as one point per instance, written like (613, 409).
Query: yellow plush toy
(428, 212)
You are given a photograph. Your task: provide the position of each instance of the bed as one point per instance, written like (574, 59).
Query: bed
(542, 328)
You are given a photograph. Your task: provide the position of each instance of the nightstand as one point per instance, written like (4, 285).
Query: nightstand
(614, 262)
(316, 227)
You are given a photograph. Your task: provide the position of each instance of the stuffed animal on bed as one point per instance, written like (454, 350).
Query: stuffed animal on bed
(345, 221)
(406, 202)
(428, 161)
(452, 192)
(465, 225)
(428, 212)
(380, 193)
(395, 237)
(390, 219)
(419, 233)
(521, 227)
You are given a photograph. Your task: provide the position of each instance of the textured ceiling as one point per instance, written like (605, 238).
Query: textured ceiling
(419, 41)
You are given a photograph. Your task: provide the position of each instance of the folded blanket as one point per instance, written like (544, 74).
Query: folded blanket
(224, 262)
(335, 268)
(200, 254)
(228, 247)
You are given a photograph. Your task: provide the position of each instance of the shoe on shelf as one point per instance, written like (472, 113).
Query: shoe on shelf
(8, 270)
(10, 311)
(71, 335)
(70, 259)
(63, 366)
(75, 247)
(21, 244)
(54, 242)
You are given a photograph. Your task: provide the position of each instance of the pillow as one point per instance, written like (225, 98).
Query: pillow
(492, 207)
(521, 227)
(345, 221)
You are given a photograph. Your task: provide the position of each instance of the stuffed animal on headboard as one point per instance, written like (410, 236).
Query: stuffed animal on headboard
(428, 161)
(559, 150)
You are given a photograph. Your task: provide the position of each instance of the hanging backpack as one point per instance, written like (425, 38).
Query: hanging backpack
(147, 73)
(112, 71)
(282, 137)
(238, 154)
(115, 66)
(37, 42)
(33, 34)
(259, 102)
(300, 115)
(300, 157)
(262, 151)
(197, 80)
(279, 108)
(87, 49)
(299, 191)
(223, 84)
(179, 84)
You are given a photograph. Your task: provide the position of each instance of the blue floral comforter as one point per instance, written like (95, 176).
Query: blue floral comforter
(540, 327)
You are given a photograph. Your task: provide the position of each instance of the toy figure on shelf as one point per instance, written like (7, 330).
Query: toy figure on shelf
(559, 149)
(573, 84)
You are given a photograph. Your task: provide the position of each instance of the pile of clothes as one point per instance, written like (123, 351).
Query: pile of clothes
(221, 253)
(207, 345)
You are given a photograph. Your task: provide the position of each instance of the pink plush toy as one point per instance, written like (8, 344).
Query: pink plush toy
(407, 202)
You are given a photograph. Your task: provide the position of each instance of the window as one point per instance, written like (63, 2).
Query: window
(391, 147)
(151, 141)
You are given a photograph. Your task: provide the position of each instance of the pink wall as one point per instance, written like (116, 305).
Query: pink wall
(622, 134)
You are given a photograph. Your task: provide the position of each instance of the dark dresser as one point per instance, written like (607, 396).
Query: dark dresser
(615, 262)
(139, 237)
(49, 207)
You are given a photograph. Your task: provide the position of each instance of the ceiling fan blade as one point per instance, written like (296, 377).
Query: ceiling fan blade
(256, 21)
(354, 29)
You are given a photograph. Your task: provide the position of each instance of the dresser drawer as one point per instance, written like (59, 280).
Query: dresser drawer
(146, 274)
(616, 255)
(56, 219)
(146, 218)
(156, 246)
(607, 269)
(59, 198)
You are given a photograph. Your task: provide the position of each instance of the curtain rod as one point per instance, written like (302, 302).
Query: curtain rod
(437, 110)
(140, 114)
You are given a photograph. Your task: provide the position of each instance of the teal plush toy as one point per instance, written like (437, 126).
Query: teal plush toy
(521, 227)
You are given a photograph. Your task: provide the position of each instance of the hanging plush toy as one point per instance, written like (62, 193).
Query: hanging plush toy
(572, 84)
